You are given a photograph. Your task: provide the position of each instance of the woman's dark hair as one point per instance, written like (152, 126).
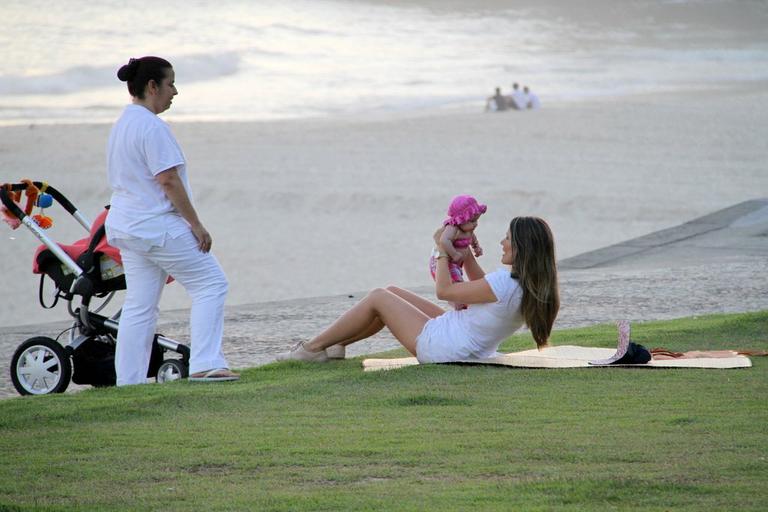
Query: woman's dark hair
(535, 269)
(139, 72)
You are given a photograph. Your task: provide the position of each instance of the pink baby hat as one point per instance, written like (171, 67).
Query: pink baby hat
(462, 209)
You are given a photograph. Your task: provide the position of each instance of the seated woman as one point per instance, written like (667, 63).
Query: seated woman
(499, 303)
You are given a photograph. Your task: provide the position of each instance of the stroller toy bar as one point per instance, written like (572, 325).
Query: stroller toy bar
(11, 192)
(35, 197)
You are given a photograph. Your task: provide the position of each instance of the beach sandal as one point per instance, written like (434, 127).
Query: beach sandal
(336, 352)
(299, 353)
(215, 375)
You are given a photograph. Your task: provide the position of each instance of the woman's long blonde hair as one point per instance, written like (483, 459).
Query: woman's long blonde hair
(535, 269)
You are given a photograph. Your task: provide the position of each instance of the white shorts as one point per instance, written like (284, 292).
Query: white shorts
(439, 343)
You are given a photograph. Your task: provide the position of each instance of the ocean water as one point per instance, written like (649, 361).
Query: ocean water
(593, 176)
(256, 60)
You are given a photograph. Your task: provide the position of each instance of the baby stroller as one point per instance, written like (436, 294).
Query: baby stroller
(86, 269)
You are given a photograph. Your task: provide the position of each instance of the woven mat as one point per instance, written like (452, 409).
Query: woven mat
(569, 356)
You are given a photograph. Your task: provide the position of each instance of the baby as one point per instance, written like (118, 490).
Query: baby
(458, 236)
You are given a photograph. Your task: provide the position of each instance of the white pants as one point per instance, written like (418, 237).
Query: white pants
(146, 271)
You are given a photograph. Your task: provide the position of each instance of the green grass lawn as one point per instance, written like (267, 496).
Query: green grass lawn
(302, 436)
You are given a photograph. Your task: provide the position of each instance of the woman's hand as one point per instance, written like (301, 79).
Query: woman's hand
(204, 240)
(472, 268)
(460, 256)
(478, 251)
(176, 193)
(475, 291)
(438, 236)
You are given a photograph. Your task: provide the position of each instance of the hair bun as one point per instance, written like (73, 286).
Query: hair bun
(128, 72)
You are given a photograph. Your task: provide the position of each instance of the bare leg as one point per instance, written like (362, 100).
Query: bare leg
(427, 307)
(430, 309)
(372, 329)
(403, 319)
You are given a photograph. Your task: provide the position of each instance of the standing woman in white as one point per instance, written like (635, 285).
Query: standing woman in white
(154, 224)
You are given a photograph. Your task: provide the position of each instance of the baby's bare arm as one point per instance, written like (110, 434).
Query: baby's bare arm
(476, 246)
(446, 242)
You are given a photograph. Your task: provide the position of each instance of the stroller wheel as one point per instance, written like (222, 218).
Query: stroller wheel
(172, 369)
(40, 366)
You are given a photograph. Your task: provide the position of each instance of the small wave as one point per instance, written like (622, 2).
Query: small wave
(261, 30)
(305, 31)
(99, 108)
(193, 68)
(257, 51)
(70, 80)
(200, 68)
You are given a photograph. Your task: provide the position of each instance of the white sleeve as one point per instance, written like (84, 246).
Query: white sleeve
(161, 150)
(501, 283)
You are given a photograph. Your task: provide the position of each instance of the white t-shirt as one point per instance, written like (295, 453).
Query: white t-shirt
(519, 99)
(533, 101)
(140, 147)
(475, 332)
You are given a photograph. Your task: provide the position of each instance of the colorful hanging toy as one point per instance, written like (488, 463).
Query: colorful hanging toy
(7, 216)
(35, 197)
(43, 201)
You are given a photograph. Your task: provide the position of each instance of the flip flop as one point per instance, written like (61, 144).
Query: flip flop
(215, 375)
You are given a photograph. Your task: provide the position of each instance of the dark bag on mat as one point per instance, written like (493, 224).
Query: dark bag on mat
(636, 354)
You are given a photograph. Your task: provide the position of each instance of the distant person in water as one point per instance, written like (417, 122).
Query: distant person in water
(497, 102)
(531, 100)
(517, 99)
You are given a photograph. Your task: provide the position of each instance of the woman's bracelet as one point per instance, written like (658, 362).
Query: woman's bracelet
(442, 254)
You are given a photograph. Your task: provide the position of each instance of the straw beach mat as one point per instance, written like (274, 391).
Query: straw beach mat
(571, 356)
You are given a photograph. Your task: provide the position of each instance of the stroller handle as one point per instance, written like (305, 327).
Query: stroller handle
(18, 212)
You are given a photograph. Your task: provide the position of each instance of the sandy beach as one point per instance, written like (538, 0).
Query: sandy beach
(306, 208)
